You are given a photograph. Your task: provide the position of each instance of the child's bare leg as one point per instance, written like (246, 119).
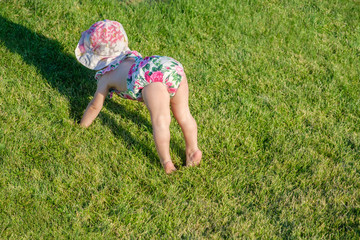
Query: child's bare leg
(157, 99)
(181, 111)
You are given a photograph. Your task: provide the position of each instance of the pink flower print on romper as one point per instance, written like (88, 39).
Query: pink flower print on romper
(144, 61)
(180, 70)
(155, 77)
(138, 84)
(147, 77)
(170, 88)
(131, 71)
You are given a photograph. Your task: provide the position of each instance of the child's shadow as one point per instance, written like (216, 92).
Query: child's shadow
(60, 69)
(120, 131)
(64, 73)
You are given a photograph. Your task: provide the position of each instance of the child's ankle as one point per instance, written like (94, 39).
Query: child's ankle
(191, 151)
(169, 167)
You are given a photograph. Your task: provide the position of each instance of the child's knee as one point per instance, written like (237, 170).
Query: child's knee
(161, 121)
(185, 119)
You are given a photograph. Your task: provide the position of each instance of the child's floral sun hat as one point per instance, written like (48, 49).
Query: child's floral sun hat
(101, 44)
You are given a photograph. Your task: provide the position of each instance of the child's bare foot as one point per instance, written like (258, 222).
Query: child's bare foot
(169, 167)
(194, 158)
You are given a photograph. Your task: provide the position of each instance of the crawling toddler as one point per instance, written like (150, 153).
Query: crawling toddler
(158, 81)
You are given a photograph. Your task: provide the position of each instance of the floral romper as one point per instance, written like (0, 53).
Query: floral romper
(145, 71)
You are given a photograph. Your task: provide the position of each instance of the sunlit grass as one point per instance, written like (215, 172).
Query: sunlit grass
(274, 87)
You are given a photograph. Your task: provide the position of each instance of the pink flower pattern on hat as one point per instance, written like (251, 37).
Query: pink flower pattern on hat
(101, 44)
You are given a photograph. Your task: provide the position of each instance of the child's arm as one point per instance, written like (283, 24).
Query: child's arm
(94, 106)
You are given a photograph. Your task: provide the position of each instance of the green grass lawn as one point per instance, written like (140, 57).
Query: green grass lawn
(275, 90)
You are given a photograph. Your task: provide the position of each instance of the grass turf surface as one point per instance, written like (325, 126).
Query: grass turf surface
(274, 87)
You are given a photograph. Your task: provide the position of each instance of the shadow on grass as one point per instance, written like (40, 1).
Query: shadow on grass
(119, 131)
(139, 120)
(71, 79)
(61, 70)
(130, 141)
